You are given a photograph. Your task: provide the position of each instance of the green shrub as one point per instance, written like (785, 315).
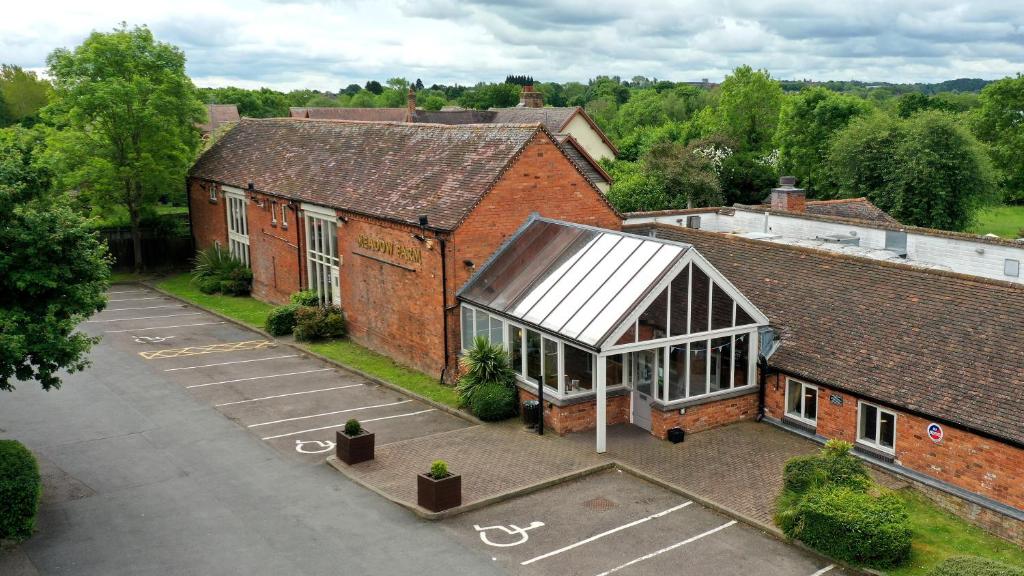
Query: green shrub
(305, 298)
(281, 320)
(353, 427)
(493, 401)
(484, 364)
(439, 469)
(974, 566)
(216, 270)
(833, 466)
(314, 323)
(20, 488)
(803, 473)
(854, 526)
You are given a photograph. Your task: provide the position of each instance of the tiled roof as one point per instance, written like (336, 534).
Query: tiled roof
(937, 343)
(590, 168)
(358, 114)
(217, 115)
(856, 208)
(552, 118)
(394, 171)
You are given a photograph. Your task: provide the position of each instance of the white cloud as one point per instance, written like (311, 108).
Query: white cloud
(328, 44)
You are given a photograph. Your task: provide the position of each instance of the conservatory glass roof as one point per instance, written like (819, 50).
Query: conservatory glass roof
(576, 281)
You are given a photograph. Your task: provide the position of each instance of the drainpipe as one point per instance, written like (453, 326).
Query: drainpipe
(444, 302)
(762, 383)
(300, 217)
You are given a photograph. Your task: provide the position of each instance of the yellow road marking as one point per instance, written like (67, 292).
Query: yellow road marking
(208, 349)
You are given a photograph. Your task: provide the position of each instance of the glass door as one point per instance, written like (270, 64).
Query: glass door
(646, 376)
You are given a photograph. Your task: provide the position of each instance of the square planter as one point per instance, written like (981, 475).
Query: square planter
(354, 449)
(438, 495)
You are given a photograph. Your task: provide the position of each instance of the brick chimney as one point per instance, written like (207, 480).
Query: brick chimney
(529, 98)
(787, 196)
(410, 105)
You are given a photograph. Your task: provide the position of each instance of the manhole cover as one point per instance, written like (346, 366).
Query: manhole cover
(600, 504)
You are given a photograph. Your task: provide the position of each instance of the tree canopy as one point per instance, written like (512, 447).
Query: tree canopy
(999, 121)
(22, 95)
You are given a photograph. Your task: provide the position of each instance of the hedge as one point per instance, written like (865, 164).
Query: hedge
(493, 401)
(974, 566)
(20, 488)
(319, 323)
(281, 320)
(855, 526)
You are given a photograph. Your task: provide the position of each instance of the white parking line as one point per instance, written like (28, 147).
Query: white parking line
(328, 413)
(606, 533)
(284, 395)
(257, 378)
(668, 548)
(232, 362)
(145, 307)
(133, 299)
(144, 318)
(342, 425)
(824, 570)
(162, 327)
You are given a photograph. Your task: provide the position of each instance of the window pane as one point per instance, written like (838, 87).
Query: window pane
(467, 327)
(698, 368)
(721, 309)
(699, 301)
(680, 288)
(648, 371)
(721, 358)
(615, 370)
(533, 355)
(497, 330)
(483, 325)
(793, 398)
(629, 336)
(741, 360)
(810, 403)
(515, 340)
(677, 372)
(550, 364)
(653, 323)
(887, 428)
(578, 370)
(742, 318)
(868, 421)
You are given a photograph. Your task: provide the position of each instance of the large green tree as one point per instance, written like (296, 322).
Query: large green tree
(748, 109)
(807, 124)
(928, 170)
(23, 93)
(53, 270)
(128, 113)
(999, 121)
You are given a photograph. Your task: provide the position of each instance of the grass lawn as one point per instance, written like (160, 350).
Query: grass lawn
(1005, 221)
(248, 310)
(129, 277)
(351, 354)
(939, 535)
(254, 313)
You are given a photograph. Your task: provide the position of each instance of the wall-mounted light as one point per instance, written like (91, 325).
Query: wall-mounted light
(423, 220)
(342, 220)
(468, 263)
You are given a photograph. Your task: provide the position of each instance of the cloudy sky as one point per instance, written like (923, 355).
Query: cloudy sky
(328, 44)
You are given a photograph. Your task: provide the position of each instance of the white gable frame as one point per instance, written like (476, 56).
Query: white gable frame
(608, 346)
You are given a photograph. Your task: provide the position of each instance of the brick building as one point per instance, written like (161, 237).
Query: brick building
(385, 219)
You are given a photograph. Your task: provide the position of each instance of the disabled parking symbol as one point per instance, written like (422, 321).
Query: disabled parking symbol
(510, 530)
(318, 446)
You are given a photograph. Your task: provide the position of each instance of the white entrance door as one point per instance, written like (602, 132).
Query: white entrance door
(238, 225)
(645, 378)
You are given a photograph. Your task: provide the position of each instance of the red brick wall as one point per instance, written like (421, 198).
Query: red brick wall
(393, 306)
(581, 416)
(705, 416)
(964, 459)
(209, 220)
(273, 249)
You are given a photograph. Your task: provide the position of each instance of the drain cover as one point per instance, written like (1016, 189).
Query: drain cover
(600, 504)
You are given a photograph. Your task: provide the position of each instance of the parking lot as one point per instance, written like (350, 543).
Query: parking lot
(615, 523)
(294, 402)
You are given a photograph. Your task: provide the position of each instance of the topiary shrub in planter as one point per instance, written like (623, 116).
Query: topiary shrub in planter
(974, 566)
(314, 323)
(353, 443)
(281, 320)
(305, 298)
(20, 488)
(438, 489)
(485, 364)
(854, 526)
(493, 402)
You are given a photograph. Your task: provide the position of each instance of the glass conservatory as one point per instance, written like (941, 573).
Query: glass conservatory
(586, 312)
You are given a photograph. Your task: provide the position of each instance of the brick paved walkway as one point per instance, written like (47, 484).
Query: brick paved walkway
(737, 467)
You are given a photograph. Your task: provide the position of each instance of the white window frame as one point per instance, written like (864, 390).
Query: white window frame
(238, 224)
(800, 417)
(490, 323)
(876, 445)
(284, 215)
(320, 263)
(213, 192)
